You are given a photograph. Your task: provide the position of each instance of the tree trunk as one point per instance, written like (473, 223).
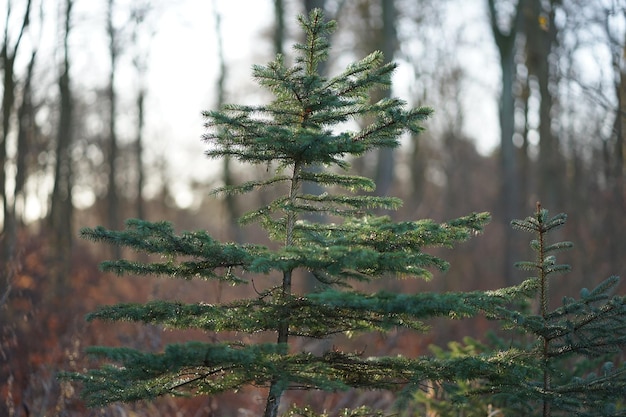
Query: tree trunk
(113, 205)
(615, 153)
(540, 30)
(139, 13)
(278, 386)
(509, 187)
(279, 31)
(388, 42)
(524, 161)
(141, 212)
(8, 231)
(61, 208)
(230, 202)
(25, 137)
(314, 4)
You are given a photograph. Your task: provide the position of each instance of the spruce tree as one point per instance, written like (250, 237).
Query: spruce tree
(299, 128)
(571, 356)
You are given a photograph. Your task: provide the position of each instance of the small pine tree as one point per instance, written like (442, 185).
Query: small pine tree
(298, 129)
(569, 356)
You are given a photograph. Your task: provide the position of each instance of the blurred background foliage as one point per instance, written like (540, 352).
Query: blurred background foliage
(529, 97)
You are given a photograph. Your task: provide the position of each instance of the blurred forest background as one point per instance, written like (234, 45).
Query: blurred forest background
(529, 97)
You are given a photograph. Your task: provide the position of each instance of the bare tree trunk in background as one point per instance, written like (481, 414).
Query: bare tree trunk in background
(232, 209)
(141, 95)
(418, 173)
(374, 28)
(540, 31)
(113, 205)
(309, 5)
(9, 231)
(388, 43)
(25, 137)
(616, 152)
(140, 58)
(615, 222)
(620, 125)
(524, 161)
(61, 207)
(510, 188)
(279, 30)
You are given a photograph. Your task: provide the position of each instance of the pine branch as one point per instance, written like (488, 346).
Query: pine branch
(349, 182)
(246, 187)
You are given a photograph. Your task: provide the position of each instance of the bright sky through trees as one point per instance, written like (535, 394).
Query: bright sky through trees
(183, 70)
(180, 43)
(179, 38)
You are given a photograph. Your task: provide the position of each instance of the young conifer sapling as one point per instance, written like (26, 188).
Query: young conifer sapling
(301, 127)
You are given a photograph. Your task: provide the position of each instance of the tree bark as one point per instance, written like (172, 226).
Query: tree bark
(8, 231)
(509, 187)
(61, 207)
(139, 14)
(279, 31)
(278, 386)
(388, 42)
(113, 206)
(230, 202)
(141, 95)
(314, 4)
(25, 137)
(615, 152)
(540, 31)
